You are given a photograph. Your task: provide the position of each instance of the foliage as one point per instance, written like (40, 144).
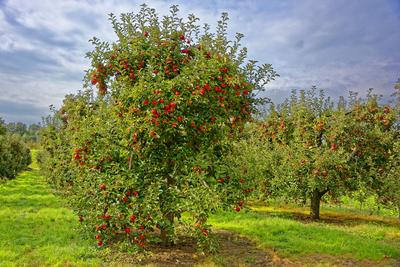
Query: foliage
(149, 145)
(254, 161)
(388, 190)
(3, 129)
(14, 156)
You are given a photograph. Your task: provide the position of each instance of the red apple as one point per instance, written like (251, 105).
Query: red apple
(205, 232)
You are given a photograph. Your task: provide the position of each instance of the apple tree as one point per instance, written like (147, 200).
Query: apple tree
(142, 144)
(324, 148)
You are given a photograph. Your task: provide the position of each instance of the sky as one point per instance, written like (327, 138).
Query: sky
(336, 45)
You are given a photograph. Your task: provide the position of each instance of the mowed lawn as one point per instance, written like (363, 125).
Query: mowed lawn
(339, 238)
(35, 227)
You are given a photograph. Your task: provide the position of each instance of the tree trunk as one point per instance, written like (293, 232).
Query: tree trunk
(166, 232)
(315, 203)
(398, 208)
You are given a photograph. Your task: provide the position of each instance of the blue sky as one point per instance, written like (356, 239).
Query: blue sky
(337, 45)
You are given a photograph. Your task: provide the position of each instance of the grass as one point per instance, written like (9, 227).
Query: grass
(291, 234)
(368, 207)
(35, 227)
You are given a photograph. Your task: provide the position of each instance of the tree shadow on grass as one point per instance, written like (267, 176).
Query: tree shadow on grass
(331, 217)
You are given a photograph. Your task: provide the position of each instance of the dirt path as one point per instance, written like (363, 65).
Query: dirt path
(233, 251)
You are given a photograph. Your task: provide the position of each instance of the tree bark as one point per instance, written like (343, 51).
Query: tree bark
(398, 208)
(315, 203)
(166, 231)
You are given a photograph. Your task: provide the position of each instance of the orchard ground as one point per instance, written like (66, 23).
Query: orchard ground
(36, 229)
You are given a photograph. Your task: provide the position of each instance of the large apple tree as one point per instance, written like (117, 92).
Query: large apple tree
(143, 143)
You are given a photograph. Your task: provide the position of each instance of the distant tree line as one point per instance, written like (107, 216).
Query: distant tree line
(29, 133)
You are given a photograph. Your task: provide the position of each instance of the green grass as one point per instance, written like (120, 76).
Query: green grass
(346, 237)
(35, 227)
(369, 206)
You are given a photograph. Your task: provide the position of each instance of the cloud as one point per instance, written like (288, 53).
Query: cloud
(337, 45)
(13, 111)
(344, 45)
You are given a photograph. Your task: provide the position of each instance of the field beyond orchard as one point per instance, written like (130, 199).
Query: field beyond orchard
(36, 229)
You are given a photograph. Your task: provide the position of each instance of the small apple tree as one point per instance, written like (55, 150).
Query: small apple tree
(146, 146)
(326, 149)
